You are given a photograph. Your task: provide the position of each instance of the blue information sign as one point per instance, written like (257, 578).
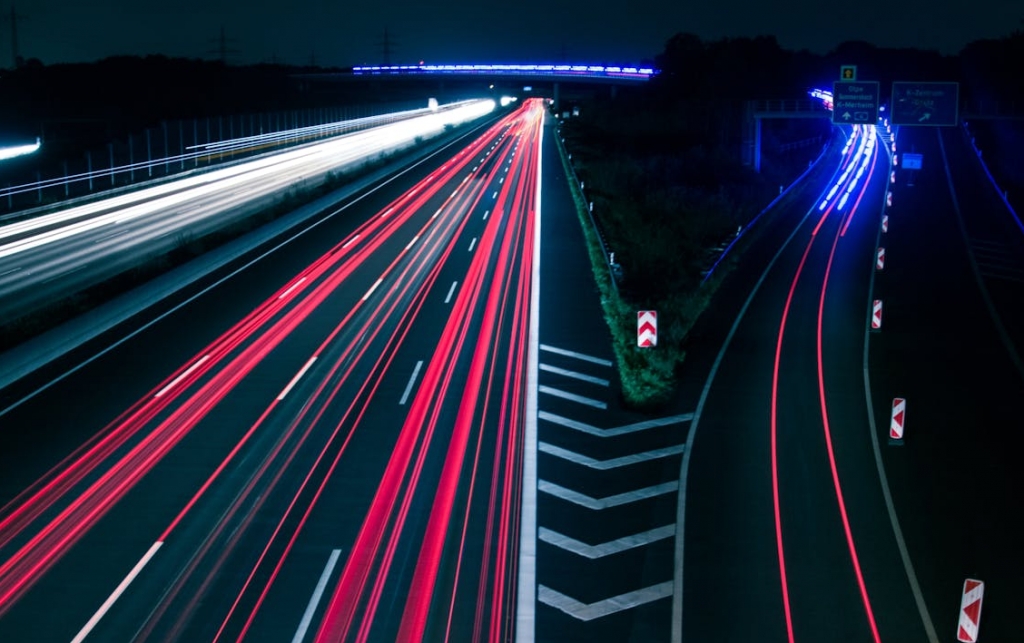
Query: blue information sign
(855, 102)
(930, 104)
(912, 161)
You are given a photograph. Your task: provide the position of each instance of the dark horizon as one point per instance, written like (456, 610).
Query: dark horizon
(314, 33)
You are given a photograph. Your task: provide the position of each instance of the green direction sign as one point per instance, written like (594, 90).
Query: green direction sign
(934, 104)
(848, 72)
(855, 102)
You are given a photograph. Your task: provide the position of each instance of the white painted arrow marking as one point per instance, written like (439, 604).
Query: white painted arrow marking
(572, 397)
(604, 465)
(585, 612)
(597, 504)
(581, 356)
(616, 431)
(605, 549)
(573, 374)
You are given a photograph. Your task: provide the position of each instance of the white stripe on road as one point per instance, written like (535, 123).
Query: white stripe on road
(182, 376)
(472, 244)
(314, 600)
(486, 212)
(597, 504)
(352, 240)
(495, 196)
(412, 380)
(586, 358)
(107, 604)
(572, 397)
(372, 288)
(584, 612)
(605, 549)
(576, 425)
(614, 463)
(413, 242)
(451, 291)
(291, 288)
(573, 374)
(295, 379)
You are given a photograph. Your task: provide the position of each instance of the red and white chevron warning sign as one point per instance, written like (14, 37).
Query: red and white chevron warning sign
(885, 223)
(646, 328)
(899, 416)
(880, 258)
(888, 199)
(970, 611)
(876, 315)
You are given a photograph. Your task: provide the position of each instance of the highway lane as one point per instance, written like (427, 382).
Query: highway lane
(47, 257)
(956, 482)
(245, 556)
(787, 535)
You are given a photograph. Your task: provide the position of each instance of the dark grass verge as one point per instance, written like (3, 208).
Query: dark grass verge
(649, 375)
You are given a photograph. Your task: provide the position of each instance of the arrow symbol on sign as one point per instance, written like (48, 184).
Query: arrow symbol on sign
(924, 117)
(846, 116)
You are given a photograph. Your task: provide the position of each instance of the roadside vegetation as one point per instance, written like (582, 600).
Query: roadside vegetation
(662, 168)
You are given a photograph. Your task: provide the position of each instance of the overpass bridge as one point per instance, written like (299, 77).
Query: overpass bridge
(552, 79)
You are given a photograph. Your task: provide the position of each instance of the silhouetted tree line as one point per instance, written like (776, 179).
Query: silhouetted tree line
(78, 108)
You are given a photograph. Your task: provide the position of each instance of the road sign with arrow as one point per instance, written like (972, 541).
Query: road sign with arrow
(929, 104)
(855, 103)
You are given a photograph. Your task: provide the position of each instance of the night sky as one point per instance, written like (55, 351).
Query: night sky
(341, 32)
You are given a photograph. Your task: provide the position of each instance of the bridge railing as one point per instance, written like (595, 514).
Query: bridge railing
(992, 109)
(788, 106)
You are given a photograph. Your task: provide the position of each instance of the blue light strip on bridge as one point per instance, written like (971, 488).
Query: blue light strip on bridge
(601, 71)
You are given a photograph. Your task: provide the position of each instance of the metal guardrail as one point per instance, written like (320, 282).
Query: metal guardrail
(26, 198)
(1002, 193)
(614, 271)
(768, 207)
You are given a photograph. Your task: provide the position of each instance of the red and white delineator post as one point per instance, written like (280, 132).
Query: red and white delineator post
(876, 315)
(647, 328)
(970, 611)
(899, 418)
(880, 258)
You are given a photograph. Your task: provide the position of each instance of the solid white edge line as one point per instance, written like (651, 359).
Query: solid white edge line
(295, 379)
(526, 589)
(472, 244)
(412, 380)
(372, 288)
(182, 376)
(314, 600)
(677, 590)
(451, 291)
(107, 604)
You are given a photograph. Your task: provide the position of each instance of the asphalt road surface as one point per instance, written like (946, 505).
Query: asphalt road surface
(803, 521)
(326, 445)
